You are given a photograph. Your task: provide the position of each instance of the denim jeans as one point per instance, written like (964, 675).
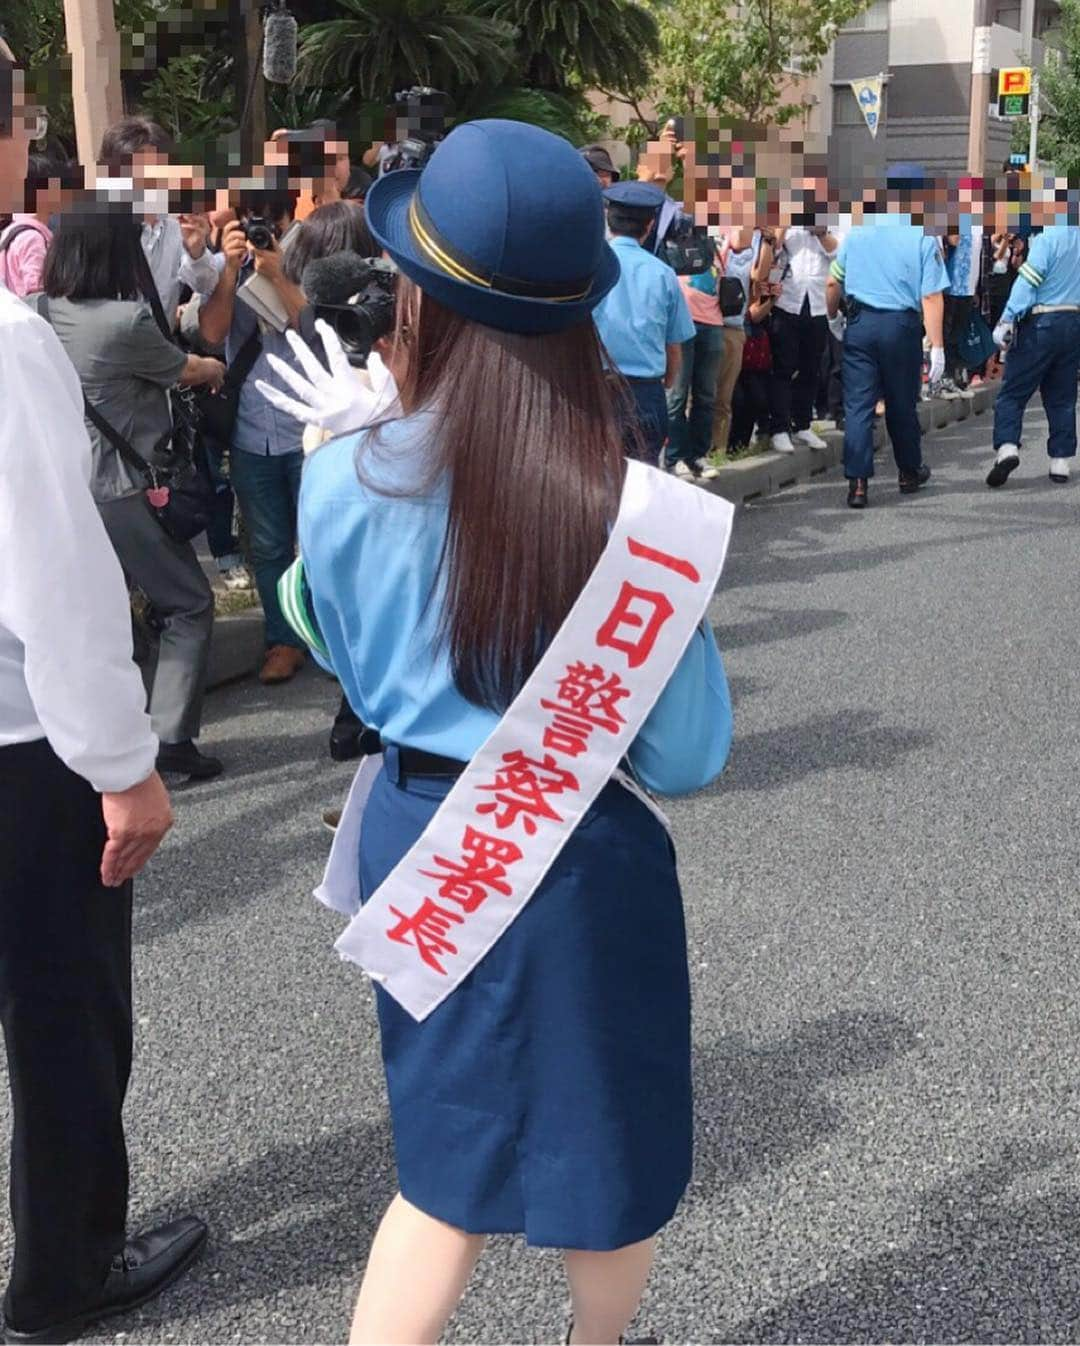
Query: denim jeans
(1045, 355)
(219, 531)
(268, 488)
(690, 436)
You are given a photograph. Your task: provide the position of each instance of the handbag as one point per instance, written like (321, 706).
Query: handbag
(730, 293)
(975, 344)
(217, 411)
(179, 496)
(757, 353)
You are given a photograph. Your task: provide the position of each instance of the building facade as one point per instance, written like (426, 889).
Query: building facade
(923, 49)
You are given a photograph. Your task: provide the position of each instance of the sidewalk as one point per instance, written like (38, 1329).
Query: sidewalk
(238, 635)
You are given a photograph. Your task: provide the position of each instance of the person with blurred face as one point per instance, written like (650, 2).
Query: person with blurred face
(81, 811)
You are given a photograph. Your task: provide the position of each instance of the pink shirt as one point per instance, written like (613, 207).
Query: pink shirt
(703, 307)
(23, 260)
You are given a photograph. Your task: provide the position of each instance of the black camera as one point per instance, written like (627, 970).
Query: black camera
(259, 232)
(356, 296)
(426, 112)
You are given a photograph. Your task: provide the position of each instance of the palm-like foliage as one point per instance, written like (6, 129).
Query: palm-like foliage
(384, 45)
(564, 44)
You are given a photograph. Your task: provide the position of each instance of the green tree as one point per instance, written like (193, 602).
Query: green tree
(383, 45)
(573, 44)
(1059, 129)
(737, 57)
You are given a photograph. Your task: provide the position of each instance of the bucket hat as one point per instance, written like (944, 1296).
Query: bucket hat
(504, 225)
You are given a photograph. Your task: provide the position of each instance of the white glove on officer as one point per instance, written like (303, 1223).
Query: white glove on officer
(1003, 335)
(937, 364)
(339, 401)
(838, 326)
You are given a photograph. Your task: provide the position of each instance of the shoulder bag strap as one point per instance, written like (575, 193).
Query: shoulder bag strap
(133, 459)
(149, 289)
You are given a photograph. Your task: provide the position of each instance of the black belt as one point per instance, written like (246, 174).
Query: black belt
(415, 762)
(637, 378)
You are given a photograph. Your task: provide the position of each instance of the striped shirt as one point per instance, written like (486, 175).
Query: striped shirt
(1051, 274)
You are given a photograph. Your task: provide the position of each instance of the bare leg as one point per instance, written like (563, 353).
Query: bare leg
(606, 1289)
(417, 1272)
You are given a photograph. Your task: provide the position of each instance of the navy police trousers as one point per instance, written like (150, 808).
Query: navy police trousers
(882, 358)
(1045, 355)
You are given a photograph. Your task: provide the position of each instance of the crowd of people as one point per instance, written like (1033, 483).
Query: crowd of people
(406, 394)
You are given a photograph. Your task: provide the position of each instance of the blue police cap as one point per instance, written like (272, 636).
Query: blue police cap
(635, 195)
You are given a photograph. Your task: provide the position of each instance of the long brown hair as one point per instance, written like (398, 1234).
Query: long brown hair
(530, 443)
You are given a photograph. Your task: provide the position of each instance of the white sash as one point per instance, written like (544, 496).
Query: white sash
(515, 806)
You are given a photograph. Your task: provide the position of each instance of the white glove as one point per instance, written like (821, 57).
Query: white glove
(1003, 335)
(339, 401)
(937, 364)
(838, 326)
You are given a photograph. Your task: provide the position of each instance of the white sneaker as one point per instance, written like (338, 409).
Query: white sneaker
(948, 390)
(1059, 470)
(706, 470)
(1007, 460)
(684, 470)
(236, 579)
(782, 444)
(810, 439)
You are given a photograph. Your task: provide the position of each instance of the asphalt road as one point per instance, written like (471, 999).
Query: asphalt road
(881, 895)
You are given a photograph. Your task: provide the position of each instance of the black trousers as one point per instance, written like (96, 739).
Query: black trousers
(750, 406)
(957, 315)
(797, 342)
(65, 1004)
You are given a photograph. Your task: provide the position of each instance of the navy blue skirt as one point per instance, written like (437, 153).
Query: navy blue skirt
(550, 1094)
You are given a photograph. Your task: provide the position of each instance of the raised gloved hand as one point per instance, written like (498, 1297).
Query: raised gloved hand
(339, 401)
(1003, 335)
(838, 326)
(937, 364)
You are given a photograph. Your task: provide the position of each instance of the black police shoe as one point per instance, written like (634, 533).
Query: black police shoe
(912, 481)
(858, 489)
(147, 1265)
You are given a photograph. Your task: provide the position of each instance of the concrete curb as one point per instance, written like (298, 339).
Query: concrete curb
(235, 648)
(770, 473)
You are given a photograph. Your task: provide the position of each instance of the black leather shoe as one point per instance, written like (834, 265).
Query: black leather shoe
(147, 1265)
(912, 481)
(184, 759)
(858, 489)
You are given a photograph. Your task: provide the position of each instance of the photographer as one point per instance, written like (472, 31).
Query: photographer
(266, 452)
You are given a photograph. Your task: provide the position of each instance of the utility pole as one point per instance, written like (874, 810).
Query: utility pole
(96, 91)
(980, 90)
(1033, 122)
(246, 25)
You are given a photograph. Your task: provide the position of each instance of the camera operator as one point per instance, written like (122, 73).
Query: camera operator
(265, 445)
(420, 116)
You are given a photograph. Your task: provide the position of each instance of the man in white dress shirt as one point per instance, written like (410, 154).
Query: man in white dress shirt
(81, 811)
(800, 328)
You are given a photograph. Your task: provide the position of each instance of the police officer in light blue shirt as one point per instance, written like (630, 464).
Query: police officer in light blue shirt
(893, 277)
(1040, 329)
(644, 320)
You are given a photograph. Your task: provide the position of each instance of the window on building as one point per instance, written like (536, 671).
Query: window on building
(875, 17)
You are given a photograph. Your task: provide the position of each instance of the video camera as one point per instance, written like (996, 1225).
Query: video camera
(425, 113)
(356, 296)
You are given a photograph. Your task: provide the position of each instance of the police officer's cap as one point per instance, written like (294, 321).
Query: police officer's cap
(644, 196)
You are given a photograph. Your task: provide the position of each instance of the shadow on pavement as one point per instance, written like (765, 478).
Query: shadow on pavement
(757, 1107)
(774, 758)
(985, 1267)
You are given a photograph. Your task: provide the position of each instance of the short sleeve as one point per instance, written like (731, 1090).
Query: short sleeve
(680, 325)
(150, 355)
(1036, 267)
(838, 266)
(935, 278)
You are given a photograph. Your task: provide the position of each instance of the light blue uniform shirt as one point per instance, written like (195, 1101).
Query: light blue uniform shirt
(371, 562)
(890, 263)
(643, 314)
(1051, 274)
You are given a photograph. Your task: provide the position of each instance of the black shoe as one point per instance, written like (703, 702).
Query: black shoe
(912, 481)
(184, 759)
(147, 1265)
(999, 473)
(857, 491)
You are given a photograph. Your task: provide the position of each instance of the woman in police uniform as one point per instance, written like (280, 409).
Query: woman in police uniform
(549, 1095)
